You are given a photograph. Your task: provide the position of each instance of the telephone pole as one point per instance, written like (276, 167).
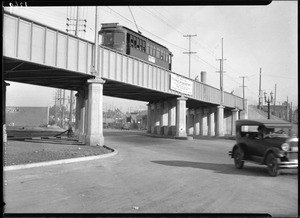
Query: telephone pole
(189, 52)
(221, 75)
(243, 77)
(71, 93)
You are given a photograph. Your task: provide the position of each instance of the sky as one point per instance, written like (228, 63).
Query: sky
(254, 38)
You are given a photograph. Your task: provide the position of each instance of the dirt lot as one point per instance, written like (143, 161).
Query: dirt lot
(32, 151)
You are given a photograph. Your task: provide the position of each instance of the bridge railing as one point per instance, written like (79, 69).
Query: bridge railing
(34, 42)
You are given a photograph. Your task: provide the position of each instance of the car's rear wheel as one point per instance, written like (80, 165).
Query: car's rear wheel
(272, 165)
(238, 158)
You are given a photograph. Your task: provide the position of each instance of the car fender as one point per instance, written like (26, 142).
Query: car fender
(278, 153)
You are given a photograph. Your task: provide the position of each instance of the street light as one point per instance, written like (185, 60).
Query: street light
(268, 101)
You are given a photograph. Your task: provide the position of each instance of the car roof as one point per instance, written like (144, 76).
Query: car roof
(264, 122)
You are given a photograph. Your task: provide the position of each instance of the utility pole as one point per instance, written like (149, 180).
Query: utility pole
(221, 75)
(243, 77)
(259, 91)
(189, 52)
(71, 93)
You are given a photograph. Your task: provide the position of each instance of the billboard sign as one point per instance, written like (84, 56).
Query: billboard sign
(181, 84)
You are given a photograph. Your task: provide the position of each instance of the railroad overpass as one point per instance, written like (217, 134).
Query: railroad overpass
(36, 54)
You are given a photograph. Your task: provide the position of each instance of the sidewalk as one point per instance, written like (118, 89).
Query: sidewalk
(44, 150)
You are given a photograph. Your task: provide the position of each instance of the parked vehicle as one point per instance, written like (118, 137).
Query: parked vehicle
(265, 142)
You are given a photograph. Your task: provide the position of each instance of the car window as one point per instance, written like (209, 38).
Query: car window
(249, 131)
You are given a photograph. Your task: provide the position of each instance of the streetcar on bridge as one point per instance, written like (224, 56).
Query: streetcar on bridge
(129, 42)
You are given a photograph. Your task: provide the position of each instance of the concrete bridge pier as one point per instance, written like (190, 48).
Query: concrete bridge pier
(197, 121)
(164, 118)
(181, 118)
(172, 117)
(190, 121)
(80, 115)
(220, 121)
(157, 117)
(235, 117)
(204, 122)
(211, 121)
(94, 124)
(149, 118)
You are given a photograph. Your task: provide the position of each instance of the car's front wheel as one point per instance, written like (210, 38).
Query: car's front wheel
(238, 158)
(272, 165)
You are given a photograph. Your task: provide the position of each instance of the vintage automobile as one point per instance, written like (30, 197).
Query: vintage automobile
(265, 142)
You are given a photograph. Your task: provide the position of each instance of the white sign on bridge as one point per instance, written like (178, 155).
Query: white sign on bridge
(181, 84)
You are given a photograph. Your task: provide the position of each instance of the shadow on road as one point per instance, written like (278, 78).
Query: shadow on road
(219, 168)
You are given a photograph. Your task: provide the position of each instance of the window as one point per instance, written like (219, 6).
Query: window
(119, 38)
(143, 46)
(162, 55)
(134, 41)
(157, 53)
(138, 44)
(108, 38)
(151, 50)
(148, 49)
(131, 41)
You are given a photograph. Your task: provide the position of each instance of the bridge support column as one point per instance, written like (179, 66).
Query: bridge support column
(204, 122)
(95, 113)
(148, 118)
(157, 112)
(172, 117)
(197, 123)
(190, 121)
(235, 117)
(220, 121)
(181, 118)
(211, 122)
(164, 118)
(152, 117)
(81, 115)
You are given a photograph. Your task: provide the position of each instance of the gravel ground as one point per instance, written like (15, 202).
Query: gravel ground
(33, 151)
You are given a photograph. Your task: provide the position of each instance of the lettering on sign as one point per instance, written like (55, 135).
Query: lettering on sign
(12, 110)
(151, 59)
(181, 84)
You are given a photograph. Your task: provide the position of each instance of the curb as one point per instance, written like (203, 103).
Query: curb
(56, 162)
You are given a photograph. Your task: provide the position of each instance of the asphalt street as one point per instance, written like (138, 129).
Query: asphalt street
(153, 175)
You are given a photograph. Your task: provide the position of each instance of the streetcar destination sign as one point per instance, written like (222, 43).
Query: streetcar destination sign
(181, 84)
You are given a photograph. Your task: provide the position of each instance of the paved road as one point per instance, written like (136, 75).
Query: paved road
(153, 175)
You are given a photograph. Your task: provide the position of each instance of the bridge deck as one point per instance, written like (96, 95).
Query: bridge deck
(37, 54)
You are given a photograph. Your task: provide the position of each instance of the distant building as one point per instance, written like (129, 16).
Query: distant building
(27, 116)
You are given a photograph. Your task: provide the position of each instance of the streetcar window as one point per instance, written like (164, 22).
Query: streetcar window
(108, 38)
(131, 40)
(134, 41)
(143, 46)
(151, 50)
(167, 57)
(148, 49)
(138, 43)
(157, 53)
(119, 38)
(162, 55)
